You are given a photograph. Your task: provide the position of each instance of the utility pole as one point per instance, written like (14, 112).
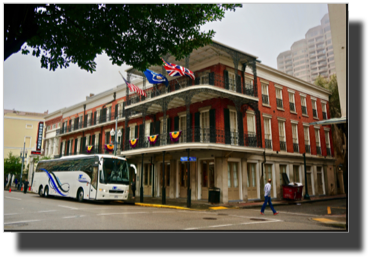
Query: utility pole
(22, 156)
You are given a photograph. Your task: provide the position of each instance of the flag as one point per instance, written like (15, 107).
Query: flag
(189, 73)
(132, 87)
(173, 69)
(155, 78)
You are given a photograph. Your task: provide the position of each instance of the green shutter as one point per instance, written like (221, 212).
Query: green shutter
(75, 145)
(136, 131)
(238, 83)
(116, 109)
(95, 113)
(211, 77)
(226, 80)
(241, 130)
(93, 140)
(85, 120)
(176, 123)
(168, 126)
(151, 128)
(227, 128)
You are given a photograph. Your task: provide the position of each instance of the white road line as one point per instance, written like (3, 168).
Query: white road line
(76, 216)
(27, 221)
(121, 213)
(13, 198)
(11, 214)
(68, 207)
(220, 225)
(42, 211)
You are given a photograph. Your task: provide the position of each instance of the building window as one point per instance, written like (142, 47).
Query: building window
(318, 141)
(232, 175)
(303, 105)
(233, 128)
(327, 138)
(314, 105)
(265, 94)
(295, 138)
(268, 133)
(309, 182)
(205, 125)
(281, 131)
(282, 171)
(251, 177)
(279, 98)
(324, 111)
(307, 139)
(292, 102)
(296, 174)
(182, 127)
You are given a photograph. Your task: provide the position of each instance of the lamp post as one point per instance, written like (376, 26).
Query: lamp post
(119, 134)
(306, 197)
(22, 156)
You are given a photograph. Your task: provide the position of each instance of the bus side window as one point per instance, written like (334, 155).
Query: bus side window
(94, 179)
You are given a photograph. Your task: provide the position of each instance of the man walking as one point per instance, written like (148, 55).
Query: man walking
(267, 188)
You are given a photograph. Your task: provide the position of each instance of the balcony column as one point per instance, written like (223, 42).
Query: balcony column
(164, 136)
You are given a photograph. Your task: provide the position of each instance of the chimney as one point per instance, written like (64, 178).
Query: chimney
(91, 94)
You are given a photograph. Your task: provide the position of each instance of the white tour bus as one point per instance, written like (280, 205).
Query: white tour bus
(84, 177)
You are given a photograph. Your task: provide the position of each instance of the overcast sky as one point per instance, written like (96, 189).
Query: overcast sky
(263, 30)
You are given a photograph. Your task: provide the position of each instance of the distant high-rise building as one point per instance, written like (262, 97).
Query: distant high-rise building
(311, 56)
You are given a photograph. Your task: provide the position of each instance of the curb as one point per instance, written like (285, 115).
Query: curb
(163, 206)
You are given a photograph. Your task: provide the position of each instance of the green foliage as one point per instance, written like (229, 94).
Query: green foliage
(332, 85)
(133, 34)
(12, 164)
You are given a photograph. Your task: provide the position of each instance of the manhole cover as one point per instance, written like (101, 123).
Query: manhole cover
(256, 219)
(208, 218)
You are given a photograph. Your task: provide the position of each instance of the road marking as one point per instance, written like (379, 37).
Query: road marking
(68, 207)
(13, 198)
(249, 223)
(220, 225)
(27, 221)
(11, 214)
(292, 213)
(76, 216)
(46, 211)
(121, 213)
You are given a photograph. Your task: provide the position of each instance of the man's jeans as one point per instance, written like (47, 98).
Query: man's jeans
(267, 199)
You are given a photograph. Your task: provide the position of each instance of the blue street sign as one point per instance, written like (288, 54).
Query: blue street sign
(191, 159)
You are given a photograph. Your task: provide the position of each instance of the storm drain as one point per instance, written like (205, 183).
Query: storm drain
(257, 219)
(209, 218)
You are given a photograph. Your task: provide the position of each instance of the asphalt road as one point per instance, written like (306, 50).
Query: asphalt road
(31, 212)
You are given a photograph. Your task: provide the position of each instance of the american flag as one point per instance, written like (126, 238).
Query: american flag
(134, 88)
(173, 69)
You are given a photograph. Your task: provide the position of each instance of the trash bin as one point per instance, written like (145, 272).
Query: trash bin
(214, 195)
(292, 192)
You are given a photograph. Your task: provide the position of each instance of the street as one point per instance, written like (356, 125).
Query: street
(31, 212)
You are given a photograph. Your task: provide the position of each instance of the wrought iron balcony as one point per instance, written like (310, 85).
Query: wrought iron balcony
(319, 150)
(212, 79)
(199, 135)
(324, 115)
(315, 113)
(85, 123)
(328, 151)
(97, 149)
(283, 145)
(268, 143)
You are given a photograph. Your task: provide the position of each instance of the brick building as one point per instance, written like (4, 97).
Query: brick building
(244, 122)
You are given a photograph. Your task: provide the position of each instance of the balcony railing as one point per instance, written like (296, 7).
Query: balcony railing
(315, 113)
(282, 145)
(268, 143)
(328, 151)
(211, 79)
(319, 150)
(265, 99)
(324, 115)
(199, 135)
(97, 149)
(295, 147)
(91, 122)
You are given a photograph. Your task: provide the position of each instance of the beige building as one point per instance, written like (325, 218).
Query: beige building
(311, 56)
(21, 127)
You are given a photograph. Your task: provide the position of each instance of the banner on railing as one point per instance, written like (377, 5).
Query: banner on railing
(174, 135)
(109, 147)
(152, 139)
(133, 142)
(89, 149)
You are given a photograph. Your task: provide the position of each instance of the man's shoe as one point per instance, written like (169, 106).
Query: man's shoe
(261, 213)
(275, 213)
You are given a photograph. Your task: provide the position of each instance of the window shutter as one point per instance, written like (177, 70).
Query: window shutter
(116, 111)
(188, 130)
(211, 77)
(85, 120)
(227, 129)
(212, 126)
(60, 150)
(107, 140)
(75, 145)
(241, 130)
(157, 127)
(238, 83)
(93, 140)
(109, 113)
(176, 123)
(83, 144)
(99, 144)
(226, 84)
(151, 128)
(126, 143)
(168, 126)
(197, 135)
(136, 131)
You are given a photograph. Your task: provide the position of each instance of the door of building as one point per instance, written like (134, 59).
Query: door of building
(167, 178)
(319, 181)
(233, 181)
(251, 181)
(183, 179)
(148, 180)
(207, 177)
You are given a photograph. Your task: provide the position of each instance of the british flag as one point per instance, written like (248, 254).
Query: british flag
(189, 73)
(133, 88)
(173, 69)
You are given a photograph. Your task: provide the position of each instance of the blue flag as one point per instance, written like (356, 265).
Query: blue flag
(155, 78)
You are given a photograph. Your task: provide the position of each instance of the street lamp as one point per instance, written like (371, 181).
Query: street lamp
(119, 134)
(23, 155)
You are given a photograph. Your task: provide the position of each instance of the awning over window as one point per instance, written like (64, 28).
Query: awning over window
(332, 121)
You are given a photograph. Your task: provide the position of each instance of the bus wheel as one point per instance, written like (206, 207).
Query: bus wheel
(40, 191)
(46, 192)
(80, 195)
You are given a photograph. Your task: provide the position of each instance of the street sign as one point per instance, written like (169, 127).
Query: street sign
(36, 152)
(190, 159)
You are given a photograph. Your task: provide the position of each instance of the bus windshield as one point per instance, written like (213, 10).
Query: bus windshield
(115, 171)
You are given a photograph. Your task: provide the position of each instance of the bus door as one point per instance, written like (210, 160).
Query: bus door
(94, 182)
